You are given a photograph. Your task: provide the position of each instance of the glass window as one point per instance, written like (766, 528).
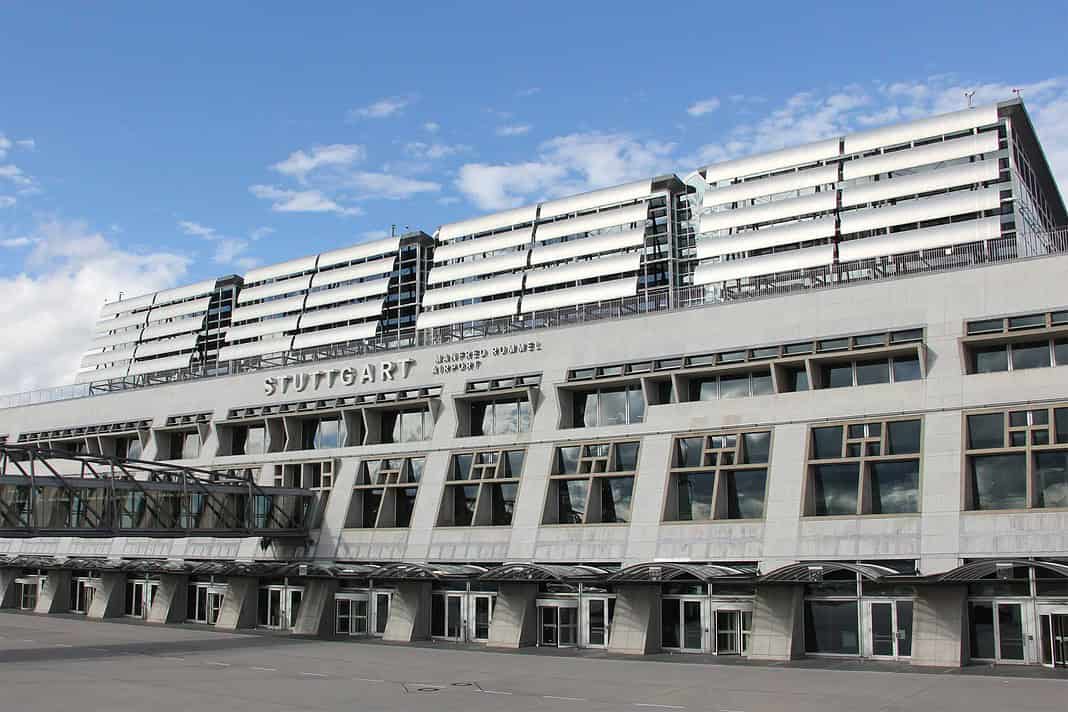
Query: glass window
(616, 496)
(568, 459)
(989, 359)
(572, 501)
(903, 437)
(322, 434)
(1051, 479)
(839, 376)
(981, 625)
(502, 502)
(250, 440)
(827, 443)
(695, 492)
(626, 457)
(986, 430)
(1030, 355)
(797, 379)
(734, 386)
(513, 463)
(906, 369)
(872, 372)
(1060, 424)
(743, 493)
(613, 407)
(762, 384)
(689, 450)
(999, 481)
(1060, 352)
(834, 489)
(757, 447)
(636, 404)
(831, 627)
(895, 487)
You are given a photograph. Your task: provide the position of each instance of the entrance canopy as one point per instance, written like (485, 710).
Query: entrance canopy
(978, 570)
(426, 572)
(553, 573)
(673, 571)
(814, 571)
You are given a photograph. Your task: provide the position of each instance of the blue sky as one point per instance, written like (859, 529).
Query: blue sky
(146, 144)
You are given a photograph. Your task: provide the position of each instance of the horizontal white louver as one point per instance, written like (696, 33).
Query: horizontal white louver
(921, 156)
(348, 312)
(116, 357)
(770, 162)
(124, 337)
(173, 328)
(127, 305)
(200, 289)
(470, 312)
(474, 289)
(921, 209)
(256, 348)
(776, 236)
(477, 268)
(362, 251)
(282, 269)
(122, 322)
(163, 346)
(585, 294)
(270, 308)
(261, 328)
(925, 182)
(274, 289)
(586, 269)
(347, 293)
(194, 306)
(595, 221)
(340, 335)
(924, 128)
(101, 374)
(593, 199)
(712, 272)
(776, 210)
(923, 239)
(486, 223)
(361, 271)
(773, 185)
(607, 242)
(168, 363)
(480, 245)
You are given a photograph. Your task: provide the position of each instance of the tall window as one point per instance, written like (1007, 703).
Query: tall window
(864, 468)
(384, 495)
(731, 385)
(408, 425)
(185, 445)
(718, 476)
(867, 372)
(481, 489)
(500, 416)
(128, 446)
(592, 483)
(624, 405)
(321, 433)
(1017, 459)
(248, 440)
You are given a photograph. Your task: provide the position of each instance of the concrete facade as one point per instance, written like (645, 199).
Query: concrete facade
(109, 600)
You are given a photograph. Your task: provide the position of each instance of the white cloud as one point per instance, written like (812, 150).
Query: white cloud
(16, 242)
(431, 127)
(27, 143)
(6, 201)
(434, 151)
(387, 185)
(383, 108)
(5, 145)
(704, 106)
(528, 92)
(300, 163)
(228, 250)
(505, 186)
(50, 307)
(197, 230)
(300, 201)
(14, 174)
(513, 130)
(374, 234)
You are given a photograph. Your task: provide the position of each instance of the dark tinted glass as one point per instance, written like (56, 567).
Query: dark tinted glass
(831, 627)
(757, 446)
(694, 491)
(834, 489)
(616, 496)
(840, 376)
(903, 437)
(743, 494)
(1051, 473)
(895, 487)
(626, 457)
(990, 359)
(999, 481)
(872, 372)
(986, 431)
(827, 442)
(906, 369)
(1030, 355)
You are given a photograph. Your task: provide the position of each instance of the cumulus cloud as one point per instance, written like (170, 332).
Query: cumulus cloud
(6, 201)
(506, 186)
(513, 130)
(300, 163)
(383, 108)
(300, 201)
(434, 151)
(51, 305)
(14, 174)
(16, 242)
(228, 250)
(389, 186)
(702, 107)
(431, 127)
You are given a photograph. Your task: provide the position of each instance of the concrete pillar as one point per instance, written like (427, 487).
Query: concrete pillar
(109, 600)
(938, 623)
(778, 623)
(239, 608)
(8, 589)
(515, 616)
(169, 605)
(54, 596)
(316, 614)
(636, 622)
(409, 613)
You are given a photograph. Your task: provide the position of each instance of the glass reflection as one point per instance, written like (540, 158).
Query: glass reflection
(895, 487)
(999, 481)
(834, 489)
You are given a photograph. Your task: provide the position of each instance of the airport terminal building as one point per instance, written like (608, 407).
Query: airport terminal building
(803, 403)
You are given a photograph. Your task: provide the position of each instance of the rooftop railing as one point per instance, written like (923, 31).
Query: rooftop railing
(1010, 248)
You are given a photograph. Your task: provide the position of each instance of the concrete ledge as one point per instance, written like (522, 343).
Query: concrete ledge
(636, 623)
(409, 613)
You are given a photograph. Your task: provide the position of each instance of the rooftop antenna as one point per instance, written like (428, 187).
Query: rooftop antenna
(969, 95)
(120, 295)
(393, 230)
(1017, 93)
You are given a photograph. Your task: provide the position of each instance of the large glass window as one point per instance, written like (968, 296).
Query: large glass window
(499, 417)
(867, 372)
(385, 491)
(185, 445)
(481, 489)
(868, 467)
(1017, 459)
(249, 440)
(408, 425)
(321, 433)
(623, 405)
(592, 483)
(718, 476)
(832, 627)
(734, 385)
(1017, 355)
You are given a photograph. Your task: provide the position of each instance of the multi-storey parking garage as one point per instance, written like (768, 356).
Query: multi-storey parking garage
(802, 403)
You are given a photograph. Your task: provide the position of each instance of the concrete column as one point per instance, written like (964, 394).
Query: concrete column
(239, 608)
(316, 614)
(515, 616)
(636, 622)
(938, 621)
(778, 623)
(169, 605)
(54, 596)
(409, 613)
(109, 600)
(8, 589)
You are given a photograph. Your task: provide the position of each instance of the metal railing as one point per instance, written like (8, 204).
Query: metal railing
(1009, 248)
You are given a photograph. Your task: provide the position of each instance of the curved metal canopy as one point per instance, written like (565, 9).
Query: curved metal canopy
(426, 572)
(977, 570)
(809, 571)
(559, 573)
(657, 571)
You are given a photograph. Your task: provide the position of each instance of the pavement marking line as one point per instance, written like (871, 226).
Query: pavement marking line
(314, 674)
(663, 707)
(212, 662)
(495, 692)
(564, 699)
(171, 657)
(64, 645)
(263, 669)
(27, 640)
(368, 679)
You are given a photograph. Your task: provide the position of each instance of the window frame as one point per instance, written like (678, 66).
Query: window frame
(402, 477)
(719, 471)
(593, 469)
(484, 482)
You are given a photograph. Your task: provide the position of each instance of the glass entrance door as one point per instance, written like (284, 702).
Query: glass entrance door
(381, 611)
(682, 624)
(1053, 632)
(889, 629)
(597, 613)
(82, 591)
(139, 597)
(558, 624)
(447, 619)
(480, 621)
(728, 632)
(996, 631)
(279, 606)
(351, 615)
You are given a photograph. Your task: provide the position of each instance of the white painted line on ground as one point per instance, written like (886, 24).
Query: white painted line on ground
(662, 707)
(64, 645)
(264, 669)
(496, 692)
(27, 640)
(313, 674)
(171, 657)
(212, 662)
(368, 679)
(564, 699)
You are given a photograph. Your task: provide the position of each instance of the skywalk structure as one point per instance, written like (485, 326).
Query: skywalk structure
(807, 402)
